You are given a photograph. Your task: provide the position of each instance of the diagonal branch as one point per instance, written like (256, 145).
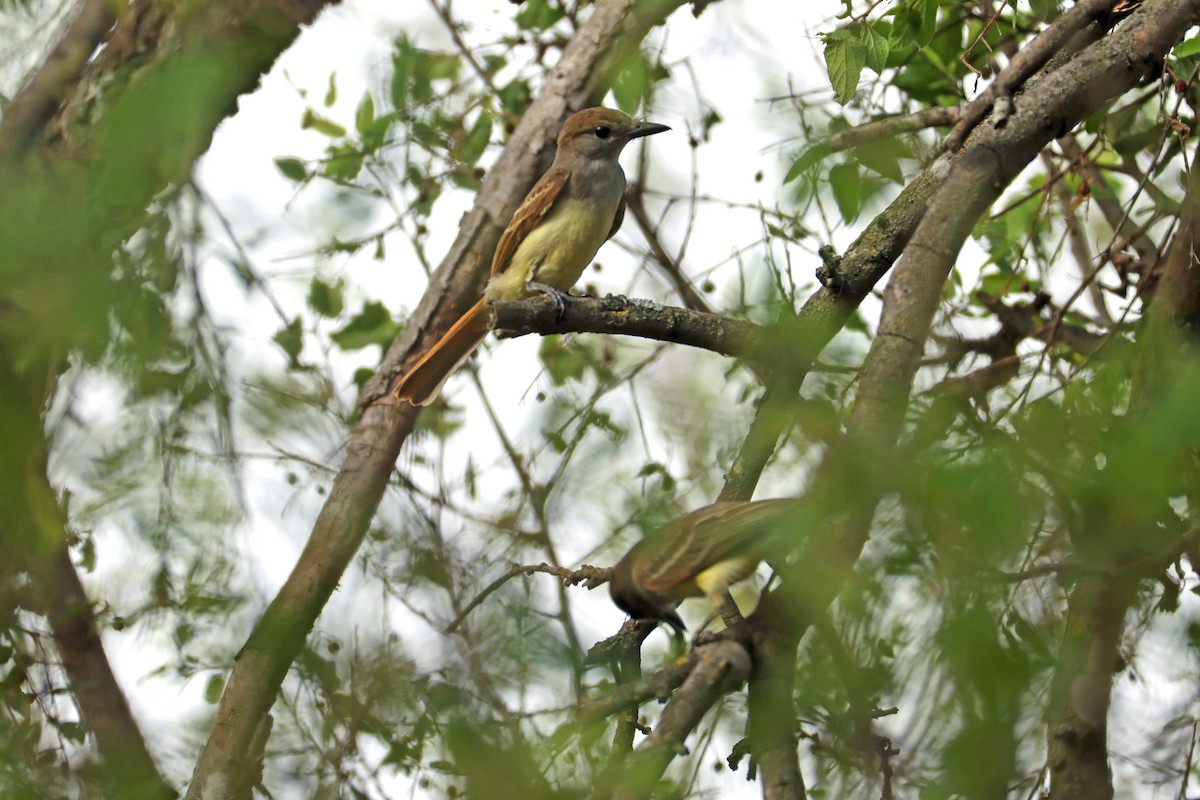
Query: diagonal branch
(581, 78)
(26, 116)
(1049, 44)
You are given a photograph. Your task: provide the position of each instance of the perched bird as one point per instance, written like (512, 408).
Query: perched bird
(572, 210)
(701, 553)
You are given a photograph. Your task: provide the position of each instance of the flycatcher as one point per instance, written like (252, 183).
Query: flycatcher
(572, 210)
(699, 554)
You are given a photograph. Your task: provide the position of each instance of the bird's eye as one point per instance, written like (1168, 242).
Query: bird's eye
(602, 131)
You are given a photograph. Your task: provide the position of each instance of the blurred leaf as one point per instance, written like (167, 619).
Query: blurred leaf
(630, 86)
(343, 163)
(291, 340)
(927, 20)
(883, 156)
(538, 15)
(847, 189)
(1187, 48)
(364, 115)
(476, 140)
(292, 169)
(213, 688)
(372, 325)
(331, 91)
(324, 298)
(814, 155)
(314, 121)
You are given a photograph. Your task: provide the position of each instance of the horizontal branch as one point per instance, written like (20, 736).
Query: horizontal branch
(932, 117)
(587, 574)
(620, 315)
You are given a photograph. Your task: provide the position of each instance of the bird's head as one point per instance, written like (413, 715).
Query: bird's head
(602, 132)
(636, 601)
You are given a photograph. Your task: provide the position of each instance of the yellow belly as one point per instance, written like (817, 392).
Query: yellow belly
(556, 252)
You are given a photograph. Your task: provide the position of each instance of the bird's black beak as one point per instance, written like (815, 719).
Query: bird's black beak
(646, 129)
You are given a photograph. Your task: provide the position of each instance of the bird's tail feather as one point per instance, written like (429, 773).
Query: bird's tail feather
(423, 382)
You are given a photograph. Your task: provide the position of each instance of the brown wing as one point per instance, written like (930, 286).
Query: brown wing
(535, 206)
(691, 544)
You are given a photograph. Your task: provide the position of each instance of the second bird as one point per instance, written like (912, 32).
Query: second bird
(572, 210)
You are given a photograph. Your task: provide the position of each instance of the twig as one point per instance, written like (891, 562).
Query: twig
(683, 287)
(594, 576)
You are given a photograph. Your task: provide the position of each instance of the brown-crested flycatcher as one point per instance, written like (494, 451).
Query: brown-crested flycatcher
(572, 210)
(701, 553)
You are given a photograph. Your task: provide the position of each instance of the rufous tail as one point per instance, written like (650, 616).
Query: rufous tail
(423, 382)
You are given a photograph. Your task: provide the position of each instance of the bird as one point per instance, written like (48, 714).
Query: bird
(699, 554)
(576, 206)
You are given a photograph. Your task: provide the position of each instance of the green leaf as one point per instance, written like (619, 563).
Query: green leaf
(331, 92)
(292, 169)
(291, 340)
(515, 96)
(372, 325)
(343, 163)
(213, 688)
(875, 48)
(847, 189)
(73, 731)
(321, 124)
(927, 16)
(364, 115)
(883, 156)
(538, 15)
(325, 299)
(402, 68)
(1187, 48)
(807, 160)
(630, 86)
(476, 140)
(562, 363)
(845, 58)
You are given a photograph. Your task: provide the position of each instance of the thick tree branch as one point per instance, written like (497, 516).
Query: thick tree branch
(123, 139)
(102, 704)
(771, 722)
(998, 97)
(720, 667)
(580, 79)
(1113, 540)
(34, 106)
(648, 320)
(849, 482)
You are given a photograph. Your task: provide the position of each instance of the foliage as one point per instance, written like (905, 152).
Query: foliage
(189, 401)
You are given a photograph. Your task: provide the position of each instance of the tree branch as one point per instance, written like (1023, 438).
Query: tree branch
(580, 79)
(932, 117)
(720, 667)
(1049, 44)
(119, 740)
(643, 318)
(847, 485)
(34, 106)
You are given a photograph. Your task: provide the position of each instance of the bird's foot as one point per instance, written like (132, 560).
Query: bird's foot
(557, 296)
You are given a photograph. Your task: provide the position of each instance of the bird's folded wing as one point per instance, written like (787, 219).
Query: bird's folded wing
(693, 543)
(533, 208)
